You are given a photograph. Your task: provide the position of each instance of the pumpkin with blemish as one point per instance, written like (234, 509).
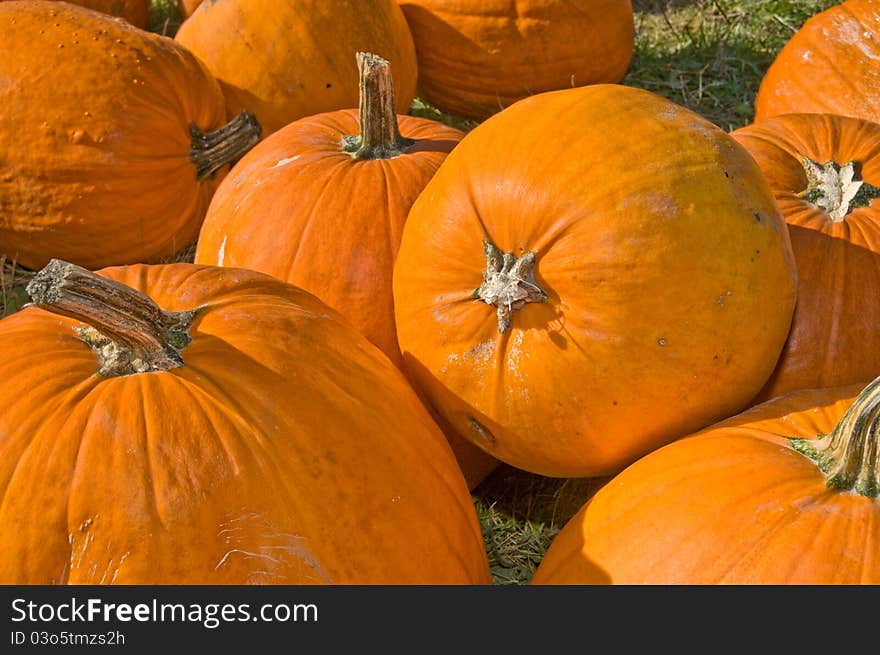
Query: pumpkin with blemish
(188, 424)
(784, 494)
(830, 65)
(476, 57)
(570, 301)
(824, 170)
(322, 203)
(112, 139)
(288, 60)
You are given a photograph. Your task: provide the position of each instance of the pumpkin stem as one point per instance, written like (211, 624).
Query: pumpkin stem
(130, 333)
(508, 283)
(210, 151)
(849, 455)
(836, 189)
(380, 134)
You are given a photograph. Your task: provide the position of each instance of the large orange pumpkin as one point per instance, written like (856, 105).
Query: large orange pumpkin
(322, 203)
(239, 432)
(785, 493)
(571, 301)
(824, 170)
(830, 65)
(478, 56)
(112, 139)
(136, 12)
(287, 60)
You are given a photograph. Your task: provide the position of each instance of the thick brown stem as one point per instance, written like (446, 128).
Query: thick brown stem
(849, 455)
(130, 332)
(508, 283)
(380, 133)
(210, 151)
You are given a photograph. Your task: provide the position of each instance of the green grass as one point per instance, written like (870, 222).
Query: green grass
(708, 55)
(165, 17)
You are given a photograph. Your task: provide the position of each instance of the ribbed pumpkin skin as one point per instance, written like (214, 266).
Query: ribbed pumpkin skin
(833, 340)
(733, 505)
(284, 61)
(301, 209)
(94, 138)
(136, 12)
(478, 56)
(830, 65)
(286, 450)
(668, 268)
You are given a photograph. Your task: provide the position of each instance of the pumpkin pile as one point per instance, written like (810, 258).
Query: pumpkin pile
(279, 329)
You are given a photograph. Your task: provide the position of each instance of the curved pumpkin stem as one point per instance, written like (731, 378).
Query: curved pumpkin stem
(836, 189)
(210, 151)
(130, 332)
(380, 133)
(849, 455)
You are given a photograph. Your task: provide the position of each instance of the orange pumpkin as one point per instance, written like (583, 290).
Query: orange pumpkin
(322, 202)
(824, 170)
(287, 60)
(830, 65)
(136, 12)
(571, 301)
(478, 56)
(187, 7)
(236, 433)
(785, 493)
(112, 139)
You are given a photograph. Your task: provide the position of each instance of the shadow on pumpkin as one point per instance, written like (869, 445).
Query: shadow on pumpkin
(833, 340)
(466, 49)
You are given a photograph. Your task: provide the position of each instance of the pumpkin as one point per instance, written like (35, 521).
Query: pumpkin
(287, 60)
(830, 65)
(571, 301)
(785, 493)
(321, 204)
(477, 56)
(112, 139)
(824, 170)
(136, 12)
(187, 7)
(185, 424)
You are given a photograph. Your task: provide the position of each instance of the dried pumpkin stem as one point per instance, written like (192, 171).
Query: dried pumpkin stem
(849, 455)
(835, 188)
(210, 151)
(380, 133)
(508, 283)
(129, 331)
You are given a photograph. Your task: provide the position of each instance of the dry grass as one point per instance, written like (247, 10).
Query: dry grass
(13, 279)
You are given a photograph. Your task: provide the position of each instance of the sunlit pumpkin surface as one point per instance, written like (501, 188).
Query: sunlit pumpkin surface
(735, 504)
(296, 58)
(286, 450)
(101, 174)
(667, 269)
(830, 65)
